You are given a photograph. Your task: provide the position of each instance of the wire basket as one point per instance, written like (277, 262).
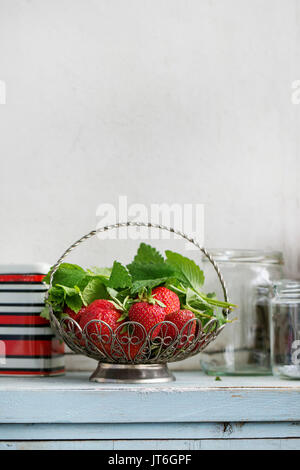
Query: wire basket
(138, 356)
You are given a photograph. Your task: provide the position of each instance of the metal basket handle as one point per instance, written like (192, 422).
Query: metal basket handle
(138, 224)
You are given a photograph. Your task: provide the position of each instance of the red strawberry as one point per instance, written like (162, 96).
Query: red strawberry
(180, 319)
(100, 304)
(99, 333)
(69, 325)
(128, 345)
(147, 315)
(167, 297)
(75, 316)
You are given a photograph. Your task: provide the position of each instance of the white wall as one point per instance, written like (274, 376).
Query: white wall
(160, 100)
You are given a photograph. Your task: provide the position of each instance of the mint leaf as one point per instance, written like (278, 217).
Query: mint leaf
(56, 296)
(149, 275)
(148, 254)
(120, 277)
(72, 297)
(186, 269)
(74, 302)
(67, 275)
(142, 271)
(137, 286)
(191, 296)
(220, 317)
(211, 295)
(94, 271)
(45, 313)
(69, 291)
(112, 292)
(95, 289)
(88, 278)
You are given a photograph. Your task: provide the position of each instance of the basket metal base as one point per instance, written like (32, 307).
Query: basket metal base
(130, 373)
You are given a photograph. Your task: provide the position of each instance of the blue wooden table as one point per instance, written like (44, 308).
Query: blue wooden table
(195, 412)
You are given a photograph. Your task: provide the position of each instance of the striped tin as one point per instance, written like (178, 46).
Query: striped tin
(28, 346)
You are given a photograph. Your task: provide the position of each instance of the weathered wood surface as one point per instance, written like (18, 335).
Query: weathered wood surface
(195, 412)
(192, 398)
(166, 444)
(189, 431)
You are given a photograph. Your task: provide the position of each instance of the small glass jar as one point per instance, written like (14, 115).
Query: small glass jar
(285, 329)
(243, 348)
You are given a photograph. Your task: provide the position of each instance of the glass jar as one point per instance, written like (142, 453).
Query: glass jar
(285, 329)
(243, 348)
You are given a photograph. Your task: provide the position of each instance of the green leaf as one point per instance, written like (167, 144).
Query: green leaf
(191, 296)
(211, 295)
(123, 317)
(142, 271)
(112, 292)
(95, 289)
(186, 269)
(69, 291)
(150, 274)
(216, 303)
(120, 277)
(220, 317)
(94, 270)
(88, 278)
(121, 294)
(45, 313)
(148, 254)
(137, 286)
(56, 296)
(67, 275)
(61, 295)
(74, 302)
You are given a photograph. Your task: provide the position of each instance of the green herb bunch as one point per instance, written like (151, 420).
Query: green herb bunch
(75, 287)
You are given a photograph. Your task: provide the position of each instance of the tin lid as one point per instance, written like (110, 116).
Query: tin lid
(22, 273)
(15, 268)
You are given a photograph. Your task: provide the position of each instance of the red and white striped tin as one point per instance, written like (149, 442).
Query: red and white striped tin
(28, 346)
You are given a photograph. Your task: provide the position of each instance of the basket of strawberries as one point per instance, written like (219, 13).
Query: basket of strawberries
(135, 319)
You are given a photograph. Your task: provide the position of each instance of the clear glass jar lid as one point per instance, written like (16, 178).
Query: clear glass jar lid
(247, 256)
(287, 288)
